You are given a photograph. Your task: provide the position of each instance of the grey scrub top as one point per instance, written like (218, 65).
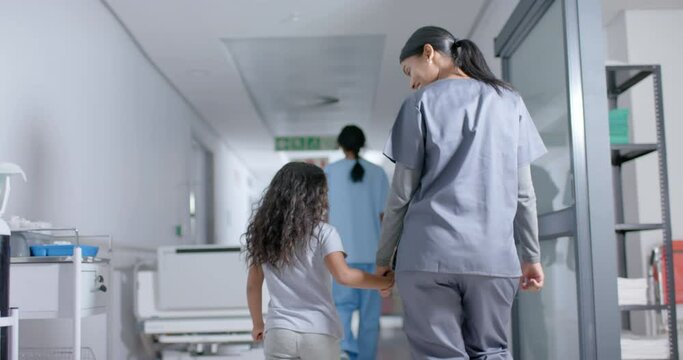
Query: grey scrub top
(468, 143)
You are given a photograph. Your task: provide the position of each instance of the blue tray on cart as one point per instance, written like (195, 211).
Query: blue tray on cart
(63, 250)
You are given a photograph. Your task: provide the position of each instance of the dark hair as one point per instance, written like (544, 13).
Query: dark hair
(465, 53)
(352, 139)
(288, 216)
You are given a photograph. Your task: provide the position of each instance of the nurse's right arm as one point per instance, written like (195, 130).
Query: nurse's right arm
(403, 186)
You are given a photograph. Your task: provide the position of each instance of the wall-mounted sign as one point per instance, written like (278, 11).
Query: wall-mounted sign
(305, 143)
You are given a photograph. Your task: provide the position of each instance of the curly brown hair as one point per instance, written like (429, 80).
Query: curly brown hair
(288, 215)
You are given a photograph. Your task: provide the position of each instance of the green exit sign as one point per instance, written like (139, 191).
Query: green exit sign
(305, 143)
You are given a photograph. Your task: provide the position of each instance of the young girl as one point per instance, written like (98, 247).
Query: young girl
(290, 245)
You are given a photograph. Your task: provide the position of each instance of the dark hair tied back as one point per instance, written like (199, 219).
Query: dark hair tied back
(465, 53)
(352, 139)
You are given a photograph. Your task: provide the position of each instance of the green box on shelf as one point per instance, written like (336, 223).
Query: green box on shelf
(618, 126)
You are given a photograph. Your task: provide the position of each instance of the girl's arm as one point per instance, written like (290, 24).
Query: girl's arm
(254, 299)
(353, 277)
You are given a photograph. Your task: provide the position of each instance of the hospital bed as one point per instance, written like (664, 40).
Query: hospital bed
(193, 305)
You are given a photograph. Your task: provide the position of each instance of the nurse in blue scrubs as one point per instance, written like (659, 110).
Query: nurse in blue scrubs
(461, 195)
(357, 195)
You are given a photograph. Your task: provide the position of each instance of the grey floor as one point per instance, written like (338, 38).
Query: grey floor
(393, 345)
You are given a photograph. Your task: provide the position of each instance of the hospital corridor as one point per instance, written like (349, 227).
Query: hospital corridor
(341, 180)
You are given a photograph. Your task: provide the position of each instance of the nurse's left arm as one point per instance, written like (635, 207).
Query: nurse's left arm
(526, 218)
(405, 183)
(383, 194)
(526, 232)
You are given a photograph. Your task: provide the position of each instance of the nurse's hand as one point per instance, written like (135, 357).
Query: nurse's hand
(384, 271)
(532, 277)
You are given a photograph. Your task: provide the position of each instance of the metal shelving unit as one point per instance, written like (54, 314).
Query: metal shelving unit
(642, 307)
(625, 228)
(619, 80)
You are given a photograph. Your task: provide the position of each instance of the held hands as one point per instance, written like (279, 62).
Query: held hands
(532, 277)
(257, 332)
(386, 272)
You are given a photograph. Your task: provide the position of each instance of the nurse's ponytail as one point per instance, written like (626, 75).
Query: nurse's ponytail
(470, 60)
(352, 139)
(465, 53)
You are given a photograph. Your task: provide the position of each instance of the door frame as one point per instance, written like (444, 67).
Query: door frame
(591, 220)
(208, 204)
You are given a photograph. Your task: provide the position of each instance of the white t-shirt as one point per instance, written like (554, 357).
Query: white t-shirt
(301, 293)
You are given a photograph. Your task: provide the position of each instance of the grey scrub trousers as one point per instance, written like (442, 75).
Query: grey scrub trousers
(461, 195)
(450, 316)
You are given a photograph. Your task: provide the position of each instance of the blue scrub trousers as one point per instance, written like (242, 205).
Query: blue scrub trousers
(368, 303)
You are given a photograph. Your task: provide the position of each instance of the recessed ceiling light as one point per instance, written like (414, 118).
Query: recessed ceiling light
(293, 17)
(313, 102)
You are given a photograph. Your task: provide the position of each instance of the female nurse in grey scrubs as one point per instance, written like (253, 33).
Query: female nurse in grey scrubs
(461, 194)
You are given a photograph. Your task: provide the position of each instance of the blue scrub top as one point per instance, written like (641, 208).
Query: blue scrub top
(468, 142)
(355, 208)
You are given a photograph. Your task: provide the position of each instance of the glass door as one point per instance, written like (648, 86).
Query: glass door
(542, 82)
(544, 59)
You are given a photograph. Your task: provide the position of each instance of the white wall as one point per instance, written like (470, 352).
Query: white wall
(104, 139)
(234, 187)
(650, 37)
(494, 17)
